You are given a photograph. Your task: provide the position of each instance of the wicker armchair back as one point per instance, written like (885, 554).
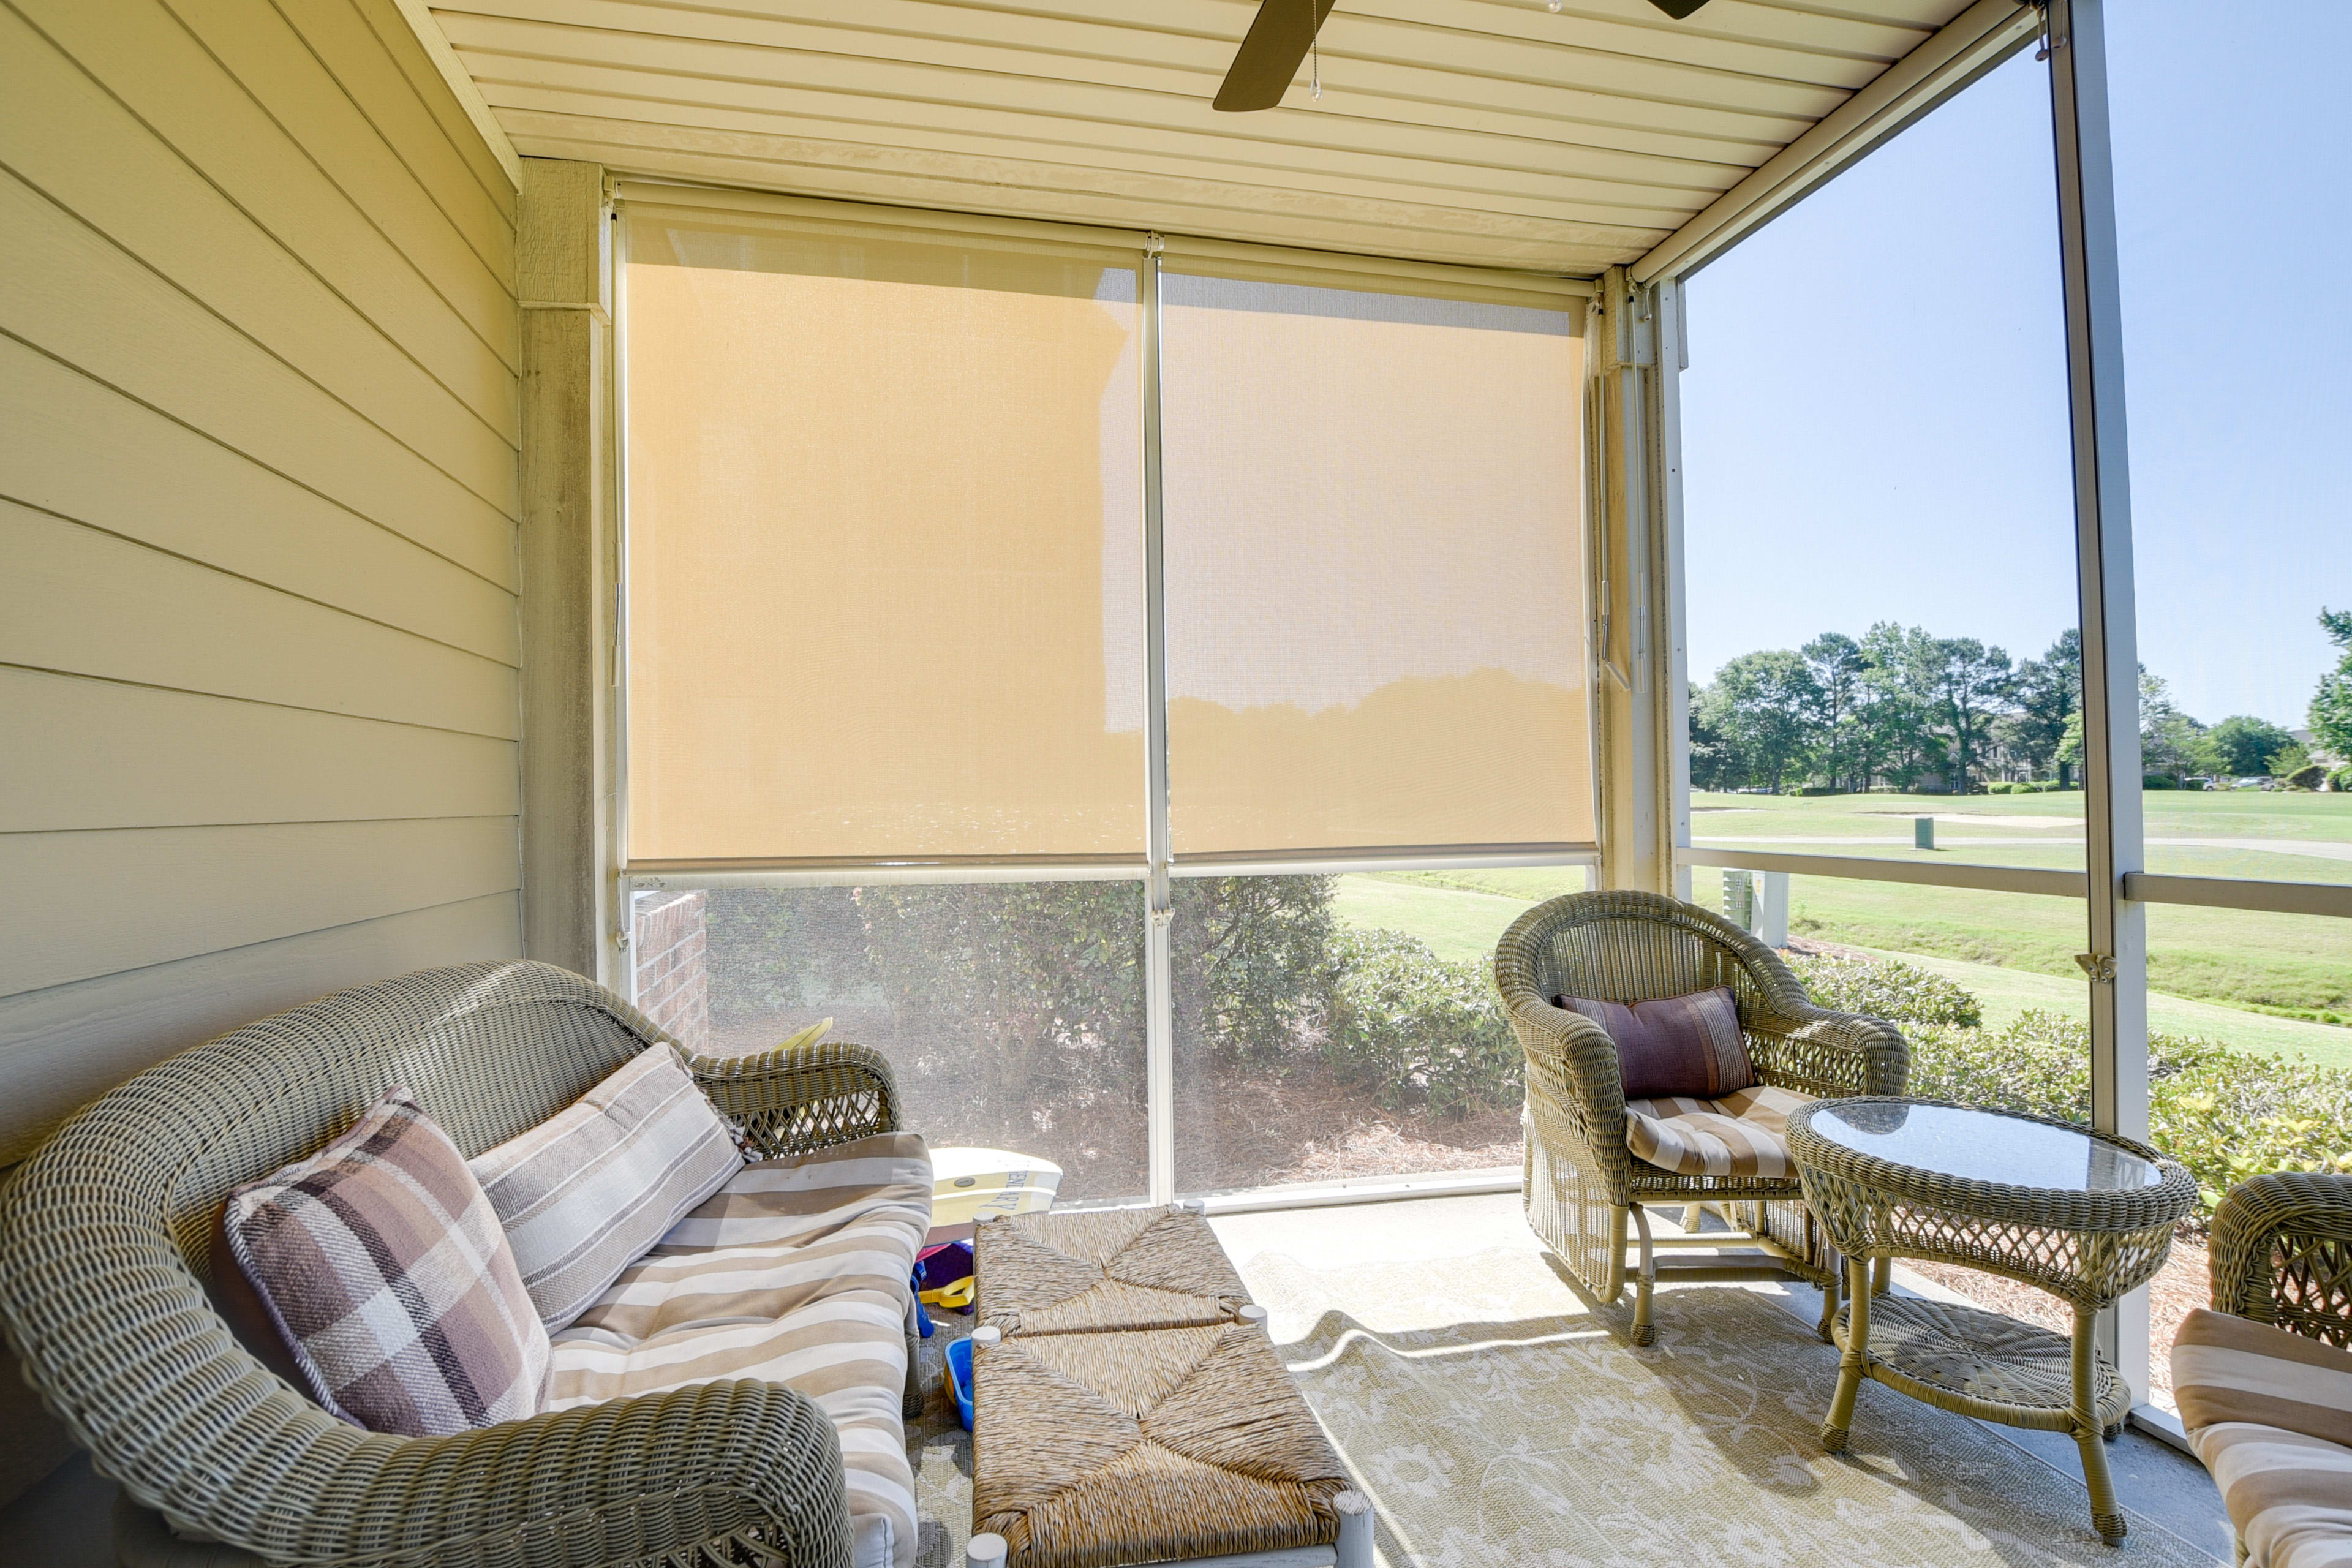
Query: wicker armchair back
(1637, 947)
(104, 1241)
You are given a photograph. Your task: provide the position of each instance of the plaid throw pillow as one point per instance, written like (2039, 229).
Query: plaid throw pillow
(1689, 1046)
(386, 1273)
(588, 1191)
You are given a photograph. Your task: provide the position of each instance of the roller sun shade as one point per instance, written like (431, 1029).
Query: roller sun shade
(1375, 574)
(884, 548)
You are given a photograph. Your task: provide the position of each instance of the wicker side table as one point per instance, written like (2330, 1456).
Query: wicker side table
(2084, 1216)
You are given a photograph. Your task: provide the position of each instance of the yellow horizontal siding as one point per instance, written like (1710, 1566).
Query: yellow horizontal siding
(75, 295)
(90, 903)
(258, 416)
(180, 759)
(477, 202)
(63, 1045)
(86, 603)
(459, 326)
(75, 447)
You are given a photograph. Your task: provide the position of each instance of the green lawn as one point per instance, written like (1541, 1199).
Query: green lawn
(2209, 968)
(2313, 832)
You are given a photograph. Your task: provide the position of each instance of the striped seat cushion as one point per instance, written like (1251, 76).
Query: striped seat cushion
(1745, 1134)
(588, 1190)
(2269, 1413)
(794, 1272)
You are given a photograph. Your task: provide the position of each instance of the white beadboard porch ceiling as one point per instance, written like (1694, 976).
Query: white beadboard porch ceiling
(1487, 132)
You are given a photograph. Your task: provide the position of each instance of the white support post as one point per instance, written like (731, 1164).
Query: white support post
(571, 913)
(1674, 358)
(1634, 812)
(1159, 960)
(2117, 960)
(1772, 909)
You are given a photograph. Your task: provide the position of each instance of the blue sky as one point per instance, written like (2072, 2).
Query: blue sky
(1874, 413)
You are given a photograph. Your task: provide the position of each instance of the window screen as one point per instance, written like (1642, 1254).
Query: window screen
(884, 581)
(1374, 570)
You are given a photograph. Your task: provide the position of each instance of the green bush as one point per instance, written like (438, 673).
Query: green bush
(1885, 989)
(2225, 1113)
(1415, 1028)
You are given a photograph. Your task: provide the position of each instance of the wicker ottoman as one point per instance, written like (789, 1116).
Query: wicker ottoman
(1103, 1268)
(1128, 1408)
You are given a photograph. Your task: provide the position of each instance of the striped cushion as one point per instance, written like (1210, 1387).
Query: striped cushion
(1676, 1045)
(2227, 1368)
(383, 1267)
(796, 1273)
(585, 1193)
(2289, 1495)
(2271, 1414)
(1745, 1134)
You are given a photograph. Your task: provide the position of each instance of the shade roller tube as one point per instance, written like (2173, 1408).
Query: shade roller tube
(1375, 572)
(884, 562)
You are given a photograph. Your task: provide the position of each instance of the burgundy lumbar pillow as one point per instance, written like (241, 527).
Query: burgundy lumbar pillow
(1688, 1045)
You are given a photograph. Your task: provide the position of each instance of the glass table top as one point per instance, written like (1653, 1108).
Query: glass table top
(1985, 1146)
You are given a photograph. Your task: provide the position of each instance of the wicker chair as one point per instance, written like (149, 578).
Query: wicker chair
(104, 1244)
(2282, 1254)
(1582, 1185)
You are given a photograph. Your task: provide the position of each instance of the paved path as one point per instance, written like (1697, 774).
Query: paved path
(2318, 849)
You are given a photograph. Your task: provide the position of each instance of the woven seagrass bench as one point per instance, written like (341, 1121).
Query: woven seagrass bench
(1128, 1407)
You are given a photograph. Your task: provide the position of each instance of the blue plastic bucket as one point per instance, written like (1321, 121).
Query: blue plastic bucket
(959, 1378)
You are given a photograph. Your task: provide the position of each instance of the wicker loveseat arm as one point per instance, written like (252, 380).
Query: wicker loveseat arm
(221, 1444)
(1824, 1053)
(2282, 1254)
(797, 1101)
(629, 1478)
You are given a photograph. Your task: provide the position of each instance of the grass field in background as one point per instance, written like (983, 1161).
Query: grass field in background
(2209, 970)
(1988, 829)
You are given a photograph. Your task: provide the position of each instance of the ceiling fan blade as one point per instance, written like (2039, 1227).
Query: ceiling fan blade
(1267, 62)
(1678, 9)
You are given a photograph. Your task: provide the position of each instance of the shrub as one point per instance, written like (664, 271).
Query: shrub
(2225, 1113)
(1417, 1028)
(1884, 988)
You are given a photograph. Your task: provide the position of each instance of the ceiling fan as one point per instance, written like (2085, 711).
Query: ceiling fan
(1267, 62)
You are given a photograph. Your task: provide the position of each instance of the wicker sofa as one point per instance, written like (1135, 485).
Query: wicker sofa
(2270, 1412)
(1583, 1185)
(104, 1248)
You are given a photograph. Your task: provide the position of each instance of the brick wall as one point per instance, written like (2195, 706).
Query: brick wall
(673, 966)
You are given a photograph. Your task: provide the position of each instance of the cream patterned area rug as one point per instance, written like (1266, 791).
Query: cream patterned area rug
(1497, 1422)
